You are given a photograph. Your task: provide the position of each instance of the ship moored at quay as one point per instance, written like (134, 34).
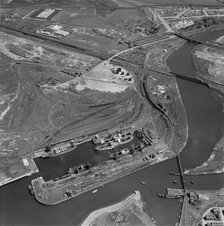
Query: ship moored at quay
(110, 141)
(58, 149)
(84, 178)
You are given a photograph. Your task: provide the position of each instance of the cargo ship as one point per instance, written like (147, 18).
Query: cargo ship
(101, 139)
(114, 141)
(52, 151)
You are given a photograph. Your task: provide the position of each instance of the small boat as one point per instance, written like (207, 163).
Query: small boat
(30, 190)
(192, 182)
(172, 197)
(174, 181)
(174, 173)
(94, 191)
(56, 179)
(143, 182)
(44, 156)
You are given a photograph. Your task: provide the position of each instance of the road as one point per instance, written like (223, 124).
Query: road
(166, 25)
(135, 47)
(184, 212)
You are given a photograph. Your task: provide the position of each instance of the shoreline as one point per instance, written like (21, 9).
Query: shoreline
(214, 164)
(136, 196)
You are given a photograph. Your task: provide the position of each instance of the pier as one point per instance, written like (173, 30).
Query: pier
(174, 193)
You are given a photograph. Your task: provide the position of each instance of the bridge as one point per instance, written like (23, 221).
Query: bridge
(192, 40)
(181, 173)
(173, 74)
(195, 80)
(199, 42)
(217, 43)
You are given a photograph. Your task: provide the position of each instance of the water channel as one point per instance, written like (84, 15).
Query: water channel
(206, 125)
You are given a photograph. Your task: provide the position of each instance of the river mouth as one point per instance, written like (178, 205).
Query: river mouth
(206, 126)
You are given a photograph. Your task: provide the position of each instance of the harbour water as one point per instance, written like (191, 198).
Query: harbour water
(206, 125)
(83, 154)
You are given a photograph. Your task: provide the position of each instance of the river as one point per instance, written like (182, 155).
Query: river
(206, 125)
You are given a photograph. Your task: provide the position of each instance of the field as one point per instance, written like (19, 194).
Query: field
(100, 26)
(215, 66)
(122, 3)
(128, 212)
(106, 26)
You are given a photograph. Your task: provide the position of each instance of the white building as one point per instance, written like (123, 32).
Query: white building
(182, 24)
(61, 32)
